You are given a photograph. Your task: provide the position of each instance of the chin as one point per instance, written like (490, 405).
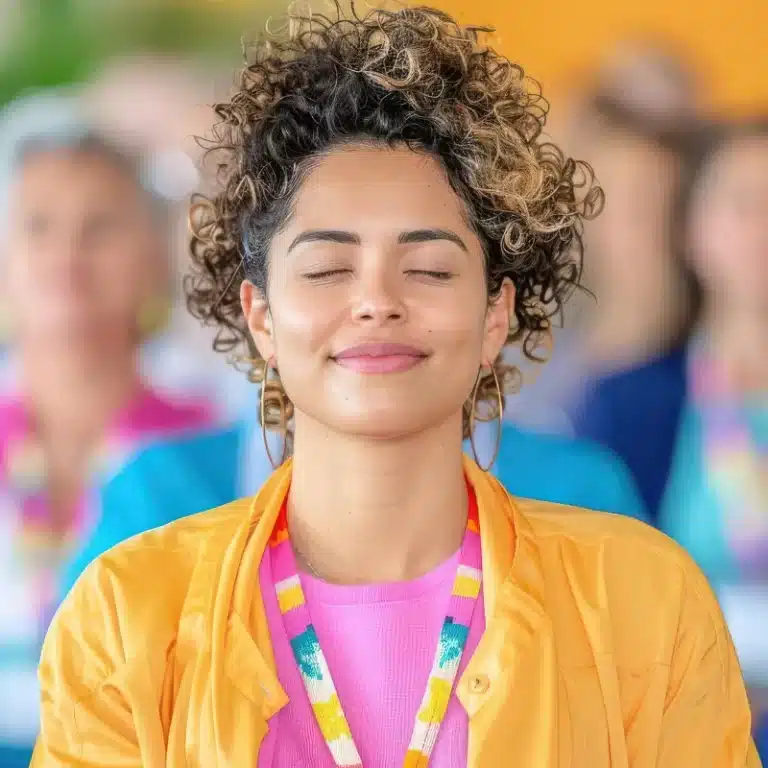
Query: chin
(384, 423)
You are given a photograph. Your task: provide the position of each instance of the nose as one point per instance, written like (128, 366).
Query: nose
(379, 300)
(70, 256)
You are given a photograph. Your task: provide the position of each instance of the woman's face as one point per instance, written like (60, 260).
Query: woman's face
(729, 224)
(378, 252)
(628, 244)
(82, 251)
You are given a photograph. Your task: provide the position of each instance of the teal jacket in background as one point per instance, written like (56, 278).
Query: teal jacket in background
(566, 471)
(199, 472)
(691, 512)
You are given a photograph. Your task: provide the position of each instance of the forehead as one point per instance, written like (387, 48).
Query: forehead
(66, 177)
(623, 149)
(742, 161)
(360, 187)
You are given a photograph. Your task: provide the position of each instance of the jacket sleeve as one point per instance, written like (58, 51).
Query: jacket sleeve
(706, 721)
(98, 708)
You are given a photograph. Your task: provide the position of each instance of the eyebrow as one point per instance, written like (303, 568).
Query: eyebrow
(350, 238)
(428, 235)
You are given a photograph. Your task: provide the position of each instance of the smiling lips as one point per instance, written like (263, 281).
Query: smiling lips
(380, 358)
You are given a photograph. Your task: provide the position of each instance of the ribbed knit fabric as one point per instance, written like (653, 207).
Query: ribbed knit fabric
(379, 641)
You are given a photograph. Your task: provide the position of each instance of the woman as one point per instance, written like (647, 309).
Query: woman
(383, 601)
(627, 123)
(83, 266)
(717, 499)
(724, 224)
(646, 298)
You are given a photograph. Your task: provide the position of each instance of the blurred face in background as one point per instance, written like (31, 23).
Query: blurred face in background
(83, 254)
(628, 252)
(728, 223)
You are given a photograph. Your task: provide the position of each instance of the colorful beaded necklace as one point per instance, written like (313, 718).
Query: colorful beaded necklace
(38, 550)
(314, 668)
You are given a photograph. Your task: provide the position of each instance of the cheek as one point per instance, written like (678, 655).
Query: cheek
(715, 241)
(122, 271)
(305, 325)
(456, 329)
(20, 274)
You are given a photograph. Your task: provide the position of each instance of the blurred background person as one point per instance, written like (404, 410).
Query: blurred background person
(627, 118)
(634, 335)
(717, 500)
(85, 279)
(159, 104)
(716, 503)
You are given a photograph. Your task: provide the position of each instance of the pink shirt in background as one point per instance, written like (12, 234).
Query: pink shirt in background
(379, 641)
(33, 555)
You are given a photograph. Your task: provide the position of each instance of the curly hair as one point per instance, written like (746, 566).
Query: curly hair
(407, 77)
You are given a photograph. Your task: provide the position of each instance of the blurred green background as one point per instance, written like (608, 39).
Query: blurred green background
(47, 43)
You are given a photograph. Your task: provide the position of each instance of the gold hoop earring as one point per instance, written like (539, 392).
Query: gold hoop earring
(473, 420)
(263, 413)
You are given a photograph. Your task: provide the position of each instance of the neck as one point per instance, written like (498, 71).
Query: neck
(368, 511)
(738, 336)
(72, 398)
(629, 328)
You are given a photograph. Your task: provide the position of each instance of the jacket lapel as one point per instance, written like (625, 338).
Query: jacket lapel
(235, 689)
(511, 686)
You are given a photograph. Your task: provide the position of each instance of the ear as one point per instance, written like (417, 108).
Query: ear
(497, 322)
(256, 311)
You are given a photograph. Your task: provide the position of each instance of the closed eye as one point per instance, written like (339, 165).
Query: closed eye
(325, 274)
(435, 274)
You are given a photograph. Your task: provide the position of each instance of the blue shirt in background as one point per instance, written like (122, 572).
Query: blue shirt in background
(636, 413)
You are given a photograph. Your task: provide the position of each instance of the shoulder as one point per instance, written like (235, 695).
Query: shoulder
(591, 531)
(171, 550)
(176, 545)
(647, 588)
(130, 600)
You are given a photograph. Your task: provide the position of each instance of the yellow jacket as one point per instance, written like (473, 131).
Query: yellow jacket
(604, 648)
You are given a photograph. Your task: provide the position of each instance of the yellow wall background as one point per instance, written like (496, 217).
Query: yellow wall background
(556, 41)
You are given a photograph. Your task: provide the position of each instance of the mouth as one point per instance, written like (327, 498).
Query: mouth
(380, 358)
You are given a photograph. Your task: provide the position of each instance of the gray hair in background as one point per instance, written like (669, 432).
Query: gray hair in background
(61, 120)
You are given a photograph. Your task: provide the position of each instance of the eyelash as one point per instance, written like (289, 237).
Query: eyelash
(316, 276)
(436, 274)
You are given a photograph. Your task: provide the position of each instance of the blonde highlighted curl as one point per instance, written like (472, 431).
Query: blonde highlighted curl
(413, 77)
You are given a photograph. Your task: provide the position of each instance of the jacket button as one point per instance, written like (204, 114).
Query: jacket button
(479, 684)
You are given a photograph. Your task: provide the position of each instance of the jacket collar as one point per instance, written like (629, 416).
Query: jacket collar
(224, 625)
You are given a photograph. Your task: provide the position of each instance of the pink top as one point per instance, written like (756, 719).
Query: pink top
(379, 641)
